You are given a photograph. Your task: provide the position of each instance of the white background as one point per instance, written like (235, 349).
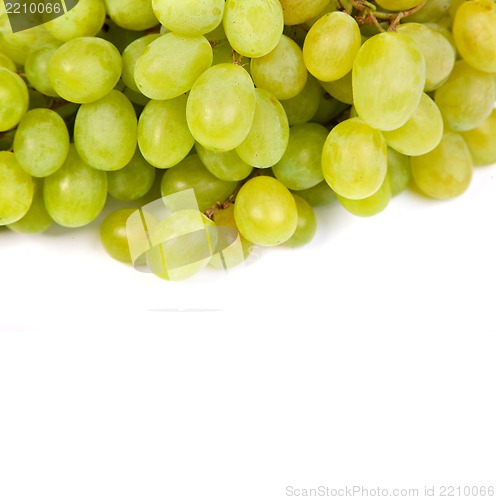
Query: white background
(366, 358)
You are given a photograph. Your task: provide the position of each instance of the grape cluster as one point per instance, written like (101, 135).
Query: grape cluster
(264, 108)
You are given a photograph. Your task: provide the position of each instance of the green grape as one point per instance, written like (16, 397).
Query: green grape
(269, 133)
(226, 165)
(331, 46)
(221, 107)
(136, 15)
(194, 17)
(432, 11)
(163, 134)
(36, 70)
(253, 27)
(474, 31)
(306, 226)
(371, 205)
(354, 159)
(301, 165)
(14, 99)
(437, 51)
(303, 107)
(223, 53)
(398, 5)
(467, 98)
(113, 234)
(216, 35)
(341, 89)
(399, 171)
(170, 65)
(300, 11)
(76, 194)
(191, 173)
(85, 19)
(421, 133)
(133, 181)
(117, 36)
(481, 141)
(137, 98)
(105, 132)
(388, 80)
(85, 69)
(318, 195)
(41, 144)
(446, 171)
(282, 71)
(16, 189)
(329, 108)
(36, 219)
(38, 100)
(7, 62)
(131, 55)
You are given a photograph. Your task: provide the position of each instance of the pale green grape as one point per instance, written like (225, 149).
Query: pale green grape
(388, 80)
(265, 211)
(421, 133)
(398, 5)
(432, 11)
(253, 27)
(282, 71)
(36, 69)
(190, 17)
(269, 133)
(7, 62)
(301, 165)
(306, 226)
(354, 159)
(341, 89)
(226, 165)
(221, 107)
(41, 144)
(170, 65)
(163, 134)
(133, 181)
(482, 141)
(14, 99)
(117, 36)
(113, 234)
(303, 107)
(300, 11)
(216, 35)
(85, 19)
(446, 171)
(223, 53)
(135, 15)
(76, 193)
(85, 69)
(318, 195)
(191, 173)
(331, 46)
(399, 171)
(329, 108)
(36, 219)
(136, 98)
(131, 55)
(474, 31)
(16, 189)
(467, 98)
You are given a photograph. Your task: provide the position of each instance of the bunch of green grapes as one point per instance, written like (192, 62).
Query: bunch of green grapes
(263, 109)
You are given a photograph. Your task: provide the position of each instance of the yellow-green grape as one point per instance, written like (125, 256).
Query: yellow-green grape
(193, 17)
(223, 53)
(265, 211)
(85, 69)
(432, 11)
(105, 132)
(437, 51)
(300, 11)
(341, 89)
(421, 133)
(170, 65)
(36, 219)
(36, 70)
(225, 165)
(467, 98)
(388, 80)
(221, 107)
(482, 141)
(191, 173)
(282, 71)
(454, 7)
(398, 5)
(41, 143)
(474, 31)
(86, 18)
(354, 159)
(253, 27)
(318, 195)
(446, 171)
(306, 226)
(7, 62)
(371, 205)
(133, 181)
(136, 98)
(329, 108)
(134, 15)
(301, 165)
(164, 137)
(269, 133)
(331, 46)
(303, 107)
(16, 189)
(399, 171)
(131, 55)
(113, 234)
(14, 99)
(76, 193)
(216, 35)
